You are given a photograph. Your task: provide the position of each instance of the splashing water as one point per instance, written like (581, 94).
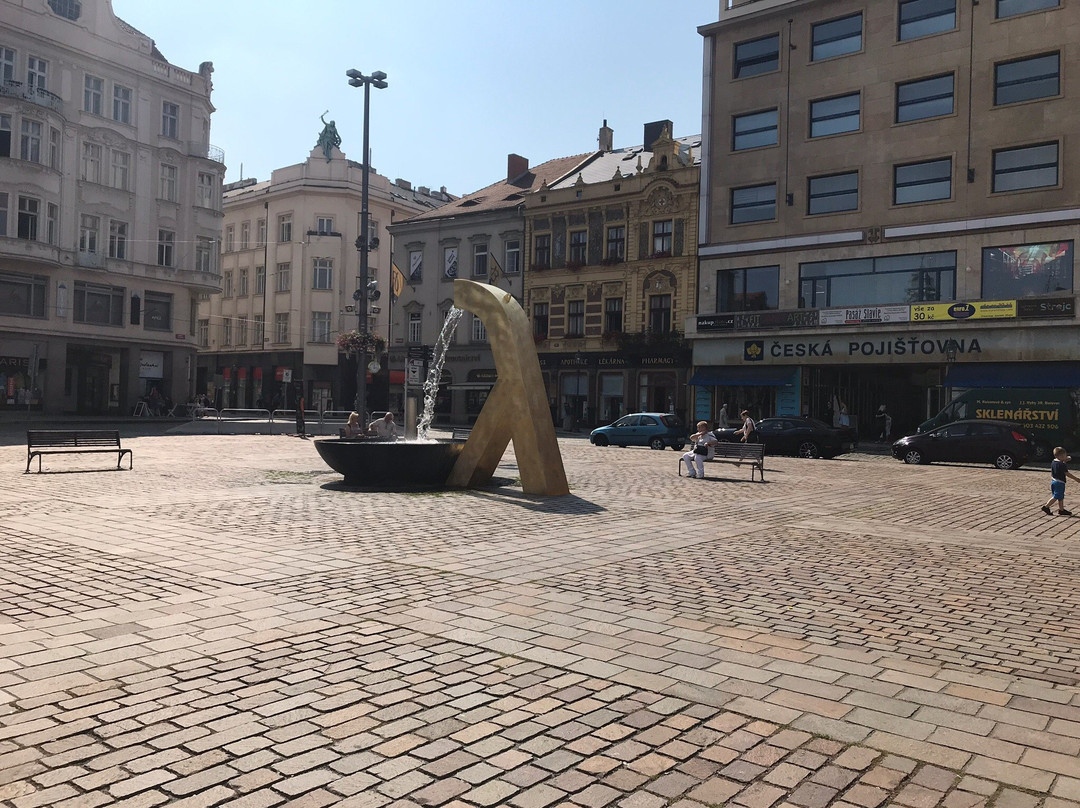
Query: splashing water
(431, 385)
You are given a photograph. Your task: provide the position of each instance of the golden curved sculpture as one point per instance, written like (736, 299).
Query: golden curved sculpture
(517, 406)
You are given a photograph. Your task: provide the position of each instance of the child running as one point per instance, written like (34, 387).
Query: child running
(1059, 471)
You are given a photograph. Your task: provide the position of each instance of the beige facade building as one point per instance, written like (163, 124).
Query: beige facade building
(889, 208)
(289, 271)
(110, 210)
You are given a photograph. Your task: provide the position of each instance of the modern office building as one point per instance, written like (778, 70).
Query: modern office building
(889, 204)
(110, 210)
(290, 268)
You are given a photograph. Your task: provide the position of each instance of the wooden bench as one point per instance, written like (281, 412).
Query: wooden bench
(74, 441)
(738, 453)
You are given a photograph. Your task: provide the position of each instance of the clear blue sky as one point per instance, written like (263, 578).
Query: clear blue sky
(470, 80)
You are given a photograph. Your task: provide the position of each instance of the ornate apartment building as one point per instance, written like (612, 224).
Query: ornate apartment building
(290, 268)
(110, 210)
(888, 207)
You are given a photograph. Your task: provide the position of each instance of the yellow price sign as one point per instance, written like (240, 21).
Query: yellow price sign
(981, 310)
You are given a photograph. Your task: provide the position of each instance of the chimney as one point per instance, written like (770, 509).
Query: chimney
(607, 137)
(400, 183)
(516, 165)
(653, 130)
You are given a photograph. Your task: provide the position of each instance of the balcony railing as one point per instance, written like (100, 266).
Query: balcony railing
(196, 148)
(35, 95)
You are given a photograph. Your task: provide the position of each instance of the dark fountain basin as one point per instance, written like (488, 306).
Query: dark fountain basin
(390, 465)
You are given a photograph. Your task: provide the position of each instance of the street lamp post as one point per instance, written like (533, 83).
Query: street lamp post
(363, 243)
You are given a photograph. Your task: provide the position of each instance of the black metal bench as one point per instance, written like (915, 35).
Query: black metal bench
(74, 441)
(738, 453)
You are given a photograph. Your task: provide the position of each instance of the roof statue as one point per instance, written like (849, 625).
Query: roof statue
(329, 139)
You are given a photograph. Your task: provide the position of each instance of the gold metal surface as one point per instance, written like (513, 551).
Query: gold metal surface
(517, 406)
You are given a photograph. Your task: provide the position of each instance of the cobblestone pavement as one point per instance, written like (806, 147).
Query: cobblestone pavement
(226, 625)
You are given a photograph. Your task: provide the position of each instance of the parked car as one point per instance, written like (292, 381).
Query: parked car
(1004, 444)
(803, 437)
(653, 429)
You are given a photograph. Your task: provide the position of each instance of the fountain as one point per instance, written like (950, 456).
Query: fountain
(516, 409)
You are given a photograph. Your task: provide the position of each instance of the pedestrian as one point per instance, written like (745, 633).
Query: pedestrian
(749, 428)
(884, 422)
(301, 427)
(722, 418)
(700, 442)
(1059, 471)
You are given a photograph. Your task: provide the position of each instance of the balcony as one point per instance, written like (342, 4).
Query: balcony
(35, 95)
(196, 148)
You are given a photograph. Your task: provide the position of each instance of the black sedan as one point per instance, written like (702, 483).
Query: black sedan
(998, 442)
(803, 437)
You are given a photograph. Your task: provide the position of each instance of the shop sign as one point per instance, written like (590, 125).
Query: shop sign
(865, 315)
(181, 337)
(980, 310)
(802, 318)
(1046, 308)
(611, 360)
(14, 364)
(151, 365)
(715, 322)
(908, 345)
(482, 375)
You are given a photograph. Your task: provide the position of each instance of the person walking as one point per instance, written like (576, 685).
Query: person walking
(1059, 471)
(749, 428)
(301, 427)
(700, 442)
(722, 418)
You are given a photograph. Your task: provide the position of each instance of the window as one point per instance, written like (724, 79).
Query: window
(284, 228)
(258, 336)
(29, 212)
(22, 295)
(3, 213)
(660, 314)
(836, 37)
(121, 104)
(37, 73)
(323, 275)
(118, 233)
(99, 304)
(204, 190)
(166, 241)
(755, 129)
(756, 203)
(54, 148)
(613, 315)
(241, 331)
(260, 280)
(245, 235)
(91, 162)
(414, 327)
(283, 279)
(1027, 79)
(757, 56)
(922, 182)
(167, 184)
(1024, 270)
(918, 278)
(5, 135)
(170, 120)
(30, 144)
(579, 248)
(925, 98)
(750, 289)
(68, 9)
(7, 65)
(919, 18)
(1010, 8)
(242, 288)
(324, 225)
(616, 244)
(512, 257)
(260, 232)
(204, 254)
(832, 116)
(281, 327)
(93, 90)
(227, 284)
(540, 320)
(320, 326)
(575, 318)
(226, 331)
(120, 165)
(542, 250)
(480, 260)
(204, 333)
(52, 221)
(157, 311)
(479, 333)
(230, 238)
(833, 193)
(661, 237)
(1026, 167)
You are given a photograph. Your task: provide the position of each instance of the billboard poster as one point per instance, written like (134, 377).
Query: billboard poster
(980, 310)
(1024, 270)
(862, 315)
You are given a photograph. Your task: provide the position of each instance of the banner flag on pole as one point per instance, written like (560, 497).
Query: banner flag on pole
(397, 283)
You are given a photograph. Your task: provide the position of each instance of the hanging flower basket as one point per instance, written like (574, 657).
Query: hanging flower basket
(355, 342)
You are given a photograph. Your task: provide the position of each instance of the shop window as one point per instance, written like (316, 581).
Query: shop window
(157, 311)
(1024, 270)
(749, 289)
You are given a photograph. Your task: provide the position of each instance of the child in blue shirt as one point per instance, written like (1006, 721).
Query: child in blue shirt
(1059, 471)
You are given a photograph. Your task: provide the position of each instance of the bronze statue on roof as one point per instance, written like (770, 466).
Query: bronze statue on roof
(329, 139)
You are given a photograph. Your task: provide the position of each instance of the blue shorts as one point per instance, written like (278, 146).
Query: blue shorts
(1057, 489)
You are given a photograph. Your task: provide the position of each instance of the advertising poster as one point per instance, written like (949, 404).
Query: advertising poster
(1025, 270)
(862, 315)
(980, 310)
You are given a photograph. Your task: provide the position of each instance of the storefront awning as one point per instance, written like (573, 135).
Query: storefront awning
(743, 377)
(1014, 374)
(396, 377)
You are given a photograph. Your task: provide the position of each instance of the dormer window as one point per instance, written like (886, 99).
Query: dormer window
(68, 9)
